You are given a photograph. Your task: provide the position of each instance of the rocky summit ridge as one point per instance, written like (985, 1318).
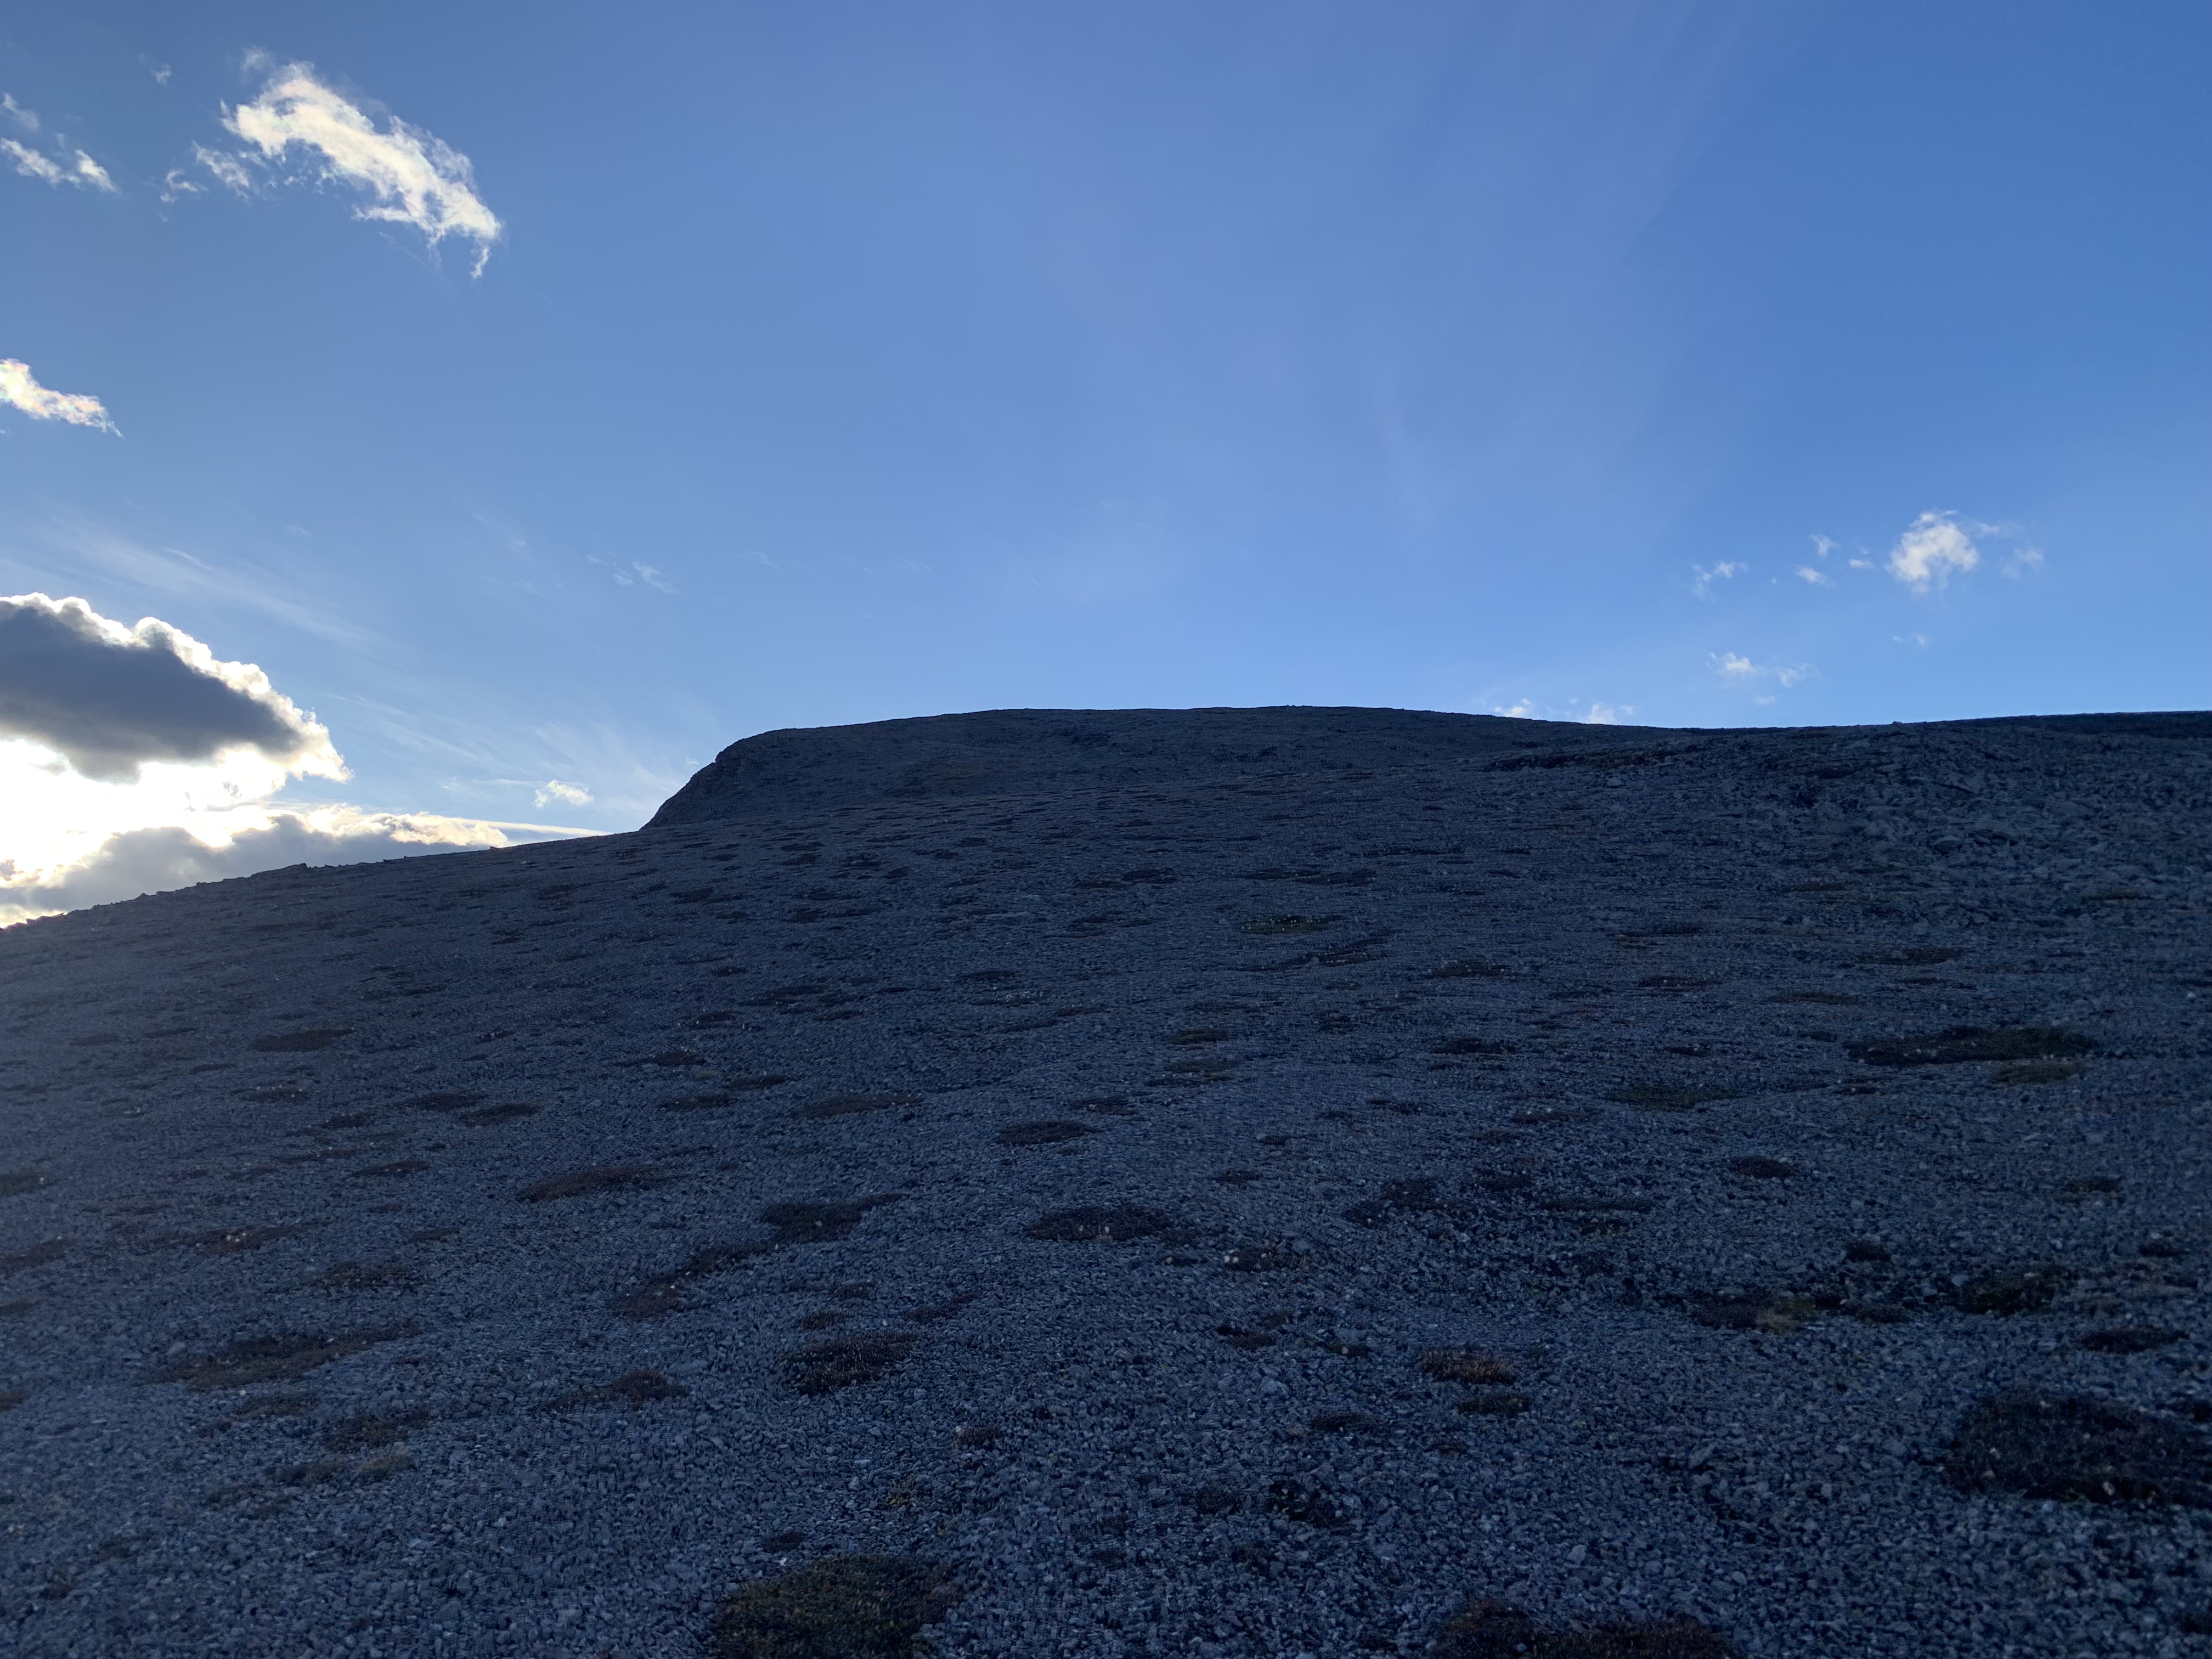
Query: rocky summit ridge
(1237, 1182)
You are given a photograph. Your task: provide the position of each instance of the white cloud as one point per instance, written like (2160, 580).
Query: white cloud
(1606, 713)
(1818, 578)
(1725, 570)
(1522, 710)
(27, 119)
(1920, 640)
(20, 389)
(1932, 547)
(77, 169)
(161, 74)
(414, 178)
(2027, 559)
(1742, 670)
(553, 791)
(1822, 546)
(634, 574)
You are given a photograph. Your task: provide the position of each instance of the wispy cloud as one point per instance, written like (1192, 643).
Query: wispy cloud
(1934, 546)
(631, 573)
(74, 167)
(1818, 578)
(20, 389)
(412, 177)
(1737, 670)
(1607, 714)
(2022, 562)
(27, 120)
(1726, 570)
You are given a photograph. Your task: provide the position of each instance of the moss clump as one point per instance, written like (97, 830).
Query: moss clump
(1470, 1365)
(804, 1222)
(847, 1607)
(2014, 1291)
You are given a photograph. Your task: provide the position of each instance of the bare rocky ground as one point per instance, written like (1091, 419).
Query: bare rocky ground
(1262, 1182)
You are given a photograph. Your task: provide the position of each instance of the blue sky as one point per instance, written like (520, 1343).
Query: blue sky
(795, 366)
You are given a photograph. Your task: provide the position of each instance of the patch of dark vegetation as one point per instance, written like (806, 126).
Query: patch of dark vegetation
(658, 1298)
(844, 1606)
(1494, 1402)
(1415, 1193)
(2012, 1290)
(1276, 926)
(12, 1181)
(356, 1276)
(444, 1100)
(1472, 1045)
(347, 1121)
(11, 1398)
(2073, 1449)
(260, 1408)
(1211, 1501)
(1045, 1132)
(1469, 968)
(631, 1388)
(1236, 1178)
(604, 1178)
(371, 1431)
(812, 1222)
(1265, 1256)
(509, 1112)
(1304, 1503)
(1667, 1096)
(930, 1313)
(1962, 1044)
(285, 1358)
(52, 1250)
(976, 1437)
(1777, 1313)
(405, 1166)
(1104, 1224)
(1674, 982)
(1197, 1035)
(731, 1093)
(2095, 1186)
(1105, 1105)
(1494, 1630)
(840, 1362)
(851, 1105)
(1244, 1340)
(1825, 998)
(1347, 1421)
(2038, 1071)
(236, 1241)
(300, 1042)
(1865, 1249)
(2130, 1338)
(276, 1094)
(1914, 955)
(1760, 1168)
(1468, 1365)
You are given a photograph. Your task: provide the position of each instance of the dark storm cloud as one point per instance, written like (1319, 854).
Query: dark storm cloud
(108, 698)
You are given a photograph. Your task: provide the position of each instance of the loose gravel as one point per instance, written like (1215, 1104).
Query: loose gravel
(1228, 1183)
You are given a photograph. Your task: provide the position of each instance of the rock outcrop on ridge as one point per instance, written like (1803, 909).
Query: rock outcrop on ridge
(1229, 1181)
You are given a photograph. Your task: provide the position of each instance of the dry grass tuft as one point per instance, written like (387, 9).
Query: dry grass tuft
(845, 1607)
(2082, 1450)
(285, 1358)
(1962, 1044)
(1467, 1365)
(605, 1178)
(840, 1362)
